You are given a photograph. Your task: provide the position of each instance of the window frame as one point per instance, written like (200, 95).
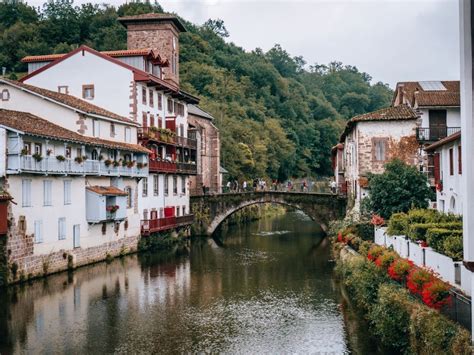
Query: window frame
(156, 185)
(85, 89)
(26, 193)
(145, 187)
(62, 228)
(67, 191)
(47, 193)
(375, 142)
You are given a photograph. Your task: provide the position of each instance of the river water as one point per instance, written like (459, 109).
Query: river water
(266, 287)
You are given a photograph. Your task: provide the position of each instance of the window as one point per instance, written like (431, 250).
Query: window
(379, 149)
(26, 149)
(94, 155)
(160, 101)
(26, 193)
(170, 106)
(112, 129)
(128, 134)
(160, 122)
(183, 185)
(150, 97)
(5, 95)
(179, 108)
(88, 92)
(459, 160)
(156, 186)
(451, 161)
(38, 148)
(47, 192)
(156, 71)
(184, 210)
(152, 120)
(175, 185)
(62, 89)
(143, 95)
(166, 185)
(67, 192)
(78, 152)
(128, 190)
(62, 228)
(96, 128)
(68, 152)
(144, 120)
(181, 130)
(177, 211)
(38, 231)
(145, 214)
(145, 187)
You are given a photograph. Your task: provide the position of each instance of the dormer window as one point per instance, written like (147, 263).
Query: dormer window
(156, 71)
(88, 92)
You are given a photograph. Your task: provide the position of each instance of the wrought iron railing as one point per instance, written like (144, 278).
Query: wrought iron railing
(149, 226)
(435, 133)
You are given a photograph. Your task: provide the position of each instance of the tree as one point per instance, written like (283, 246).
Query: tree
(400, 188)
(217, 26)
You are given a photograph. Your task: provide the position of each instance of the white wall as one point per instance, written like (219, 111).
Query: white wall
(453, 116)
(111, 81)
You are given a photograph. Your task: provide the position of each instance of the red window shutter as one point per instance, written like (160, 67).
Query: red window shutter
(436, 168)
(459, 159)
(144, 120)
(451, 161)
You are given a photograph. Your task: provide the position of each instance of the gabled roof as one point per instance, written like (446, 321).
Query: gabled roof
(152, 17)
(397, 113)
(145, 52)
(106, 190)
(453, 137)
(30, 124)
(68, 100)
(197, 111)
(419, 94)
(139, 75)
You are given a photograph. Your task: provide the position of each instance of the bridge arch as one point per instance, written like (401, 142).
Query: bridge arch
(211, 210)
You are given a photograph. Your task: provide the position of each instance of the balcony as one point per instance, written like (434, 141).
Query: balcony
(434, 134)
(149, 226)
(186, 142)
(154, 134)
(52, 166)
(173, 168)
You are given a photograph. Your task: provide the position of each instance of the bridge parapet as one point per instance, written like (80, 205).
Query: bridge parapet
(211, 210)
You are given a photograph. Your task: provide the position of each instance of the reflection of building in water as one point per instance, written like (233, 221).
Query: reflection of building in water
(90, 302)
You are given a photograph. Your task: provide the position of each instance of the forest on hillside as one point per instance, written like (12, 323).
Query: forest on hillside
(278, 116)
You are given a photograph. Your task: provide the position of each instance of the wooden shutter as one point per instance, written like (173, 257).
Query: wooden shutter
(459, 160)
(436, 168)
(451, 161)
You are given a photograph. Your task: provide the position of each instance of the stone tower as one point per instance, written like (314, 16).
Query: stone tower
(159, 32)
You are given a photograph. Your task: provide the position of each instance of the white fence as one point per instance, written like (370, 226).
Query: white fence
(449, 270)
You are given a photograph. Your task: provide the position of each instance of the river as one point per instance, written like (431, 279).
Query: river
(265, 287)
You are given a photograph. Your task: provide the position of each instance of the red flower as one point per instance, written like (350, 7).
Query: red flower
(340, 238)
(435, 294)
(400, 269)
(423, 244)
(377, 220)
(417, 278)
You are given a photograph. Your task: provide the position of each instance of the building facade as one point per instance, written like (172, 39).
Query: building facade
(368, 142)
(142, 84)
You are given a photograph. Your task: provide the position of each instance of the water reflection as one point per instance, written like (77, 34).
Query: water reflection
(263, 287)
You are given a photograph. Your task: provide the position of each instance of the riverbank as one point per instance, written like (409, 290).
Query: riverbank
(400, 321)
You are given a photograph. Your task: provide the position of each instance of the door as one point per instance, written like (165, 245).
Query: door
(438, 127)
(76, 235)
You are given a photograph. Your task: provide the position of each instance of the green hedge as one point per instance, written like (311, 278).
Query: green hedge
(398, 224)
(436, 237)
(453, 247)
(418, 231)
(401, 322)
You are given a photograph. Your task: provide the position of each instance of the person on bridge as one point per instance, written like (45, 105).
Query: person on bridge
(244, 185)
(333, 186)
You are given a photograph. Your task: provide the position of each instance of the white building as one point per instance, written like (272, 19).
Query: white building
(141, 83)
(447, 158)
(368, 142)
(73, 179)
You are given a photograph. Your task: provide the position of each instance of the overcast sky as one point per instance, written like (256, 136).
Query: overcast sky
(392, 40)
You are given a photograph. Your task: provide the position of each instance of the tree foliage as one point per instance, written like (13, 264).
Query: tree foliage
(400, 188)
(277, 117)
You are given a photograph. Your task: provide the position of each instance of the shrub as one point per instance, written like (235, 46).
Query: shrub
(364, 248)
(435, 294)
(363, 280)
(431, 333)
(400, 269)
(435, 237)
(374, 252)
(418, 231)
(453, 247)
(365, 231)
(417, 278)
(398, 224)
(390, 317)
(421, 215)
(386, 259)
(354, 243)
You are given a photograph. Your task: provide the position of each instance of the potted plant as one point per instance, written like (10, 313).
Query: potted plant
(141, 165)
(439, 186)
(116, 163)
(78, 160)
(24, 151)
(124, 163)
(107, 162)
(130, 164)
(60, 157)
(49, 152)
(100, 157)
(112, 208)
(37, 157)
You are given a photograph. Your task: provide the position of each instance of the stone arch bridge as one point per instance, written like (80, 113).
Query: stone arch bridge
(211, 210)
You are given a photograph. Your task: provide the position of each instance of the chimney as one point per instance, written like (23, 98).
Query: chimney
(400, 94)
(159, 32)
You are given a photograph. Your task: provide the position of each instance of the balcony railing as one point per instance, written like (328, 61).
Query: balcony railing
(51, 165)
(149, 226)
(147, 133)
(186, 142)
(170, 167)
(435, 133)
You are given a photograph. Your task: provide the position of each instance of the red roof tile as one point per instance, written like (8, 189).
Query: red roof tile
(413, 92)
(34, 125)
(453, 137)
(107, 190)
